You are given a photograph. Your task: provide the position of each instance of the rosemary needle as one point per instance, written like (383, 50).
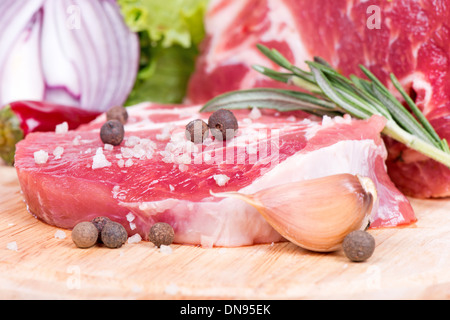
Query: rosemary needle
(330, 93)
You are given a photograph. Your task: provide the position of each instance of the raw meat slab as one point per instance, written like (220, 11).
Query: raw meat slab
(156, 174)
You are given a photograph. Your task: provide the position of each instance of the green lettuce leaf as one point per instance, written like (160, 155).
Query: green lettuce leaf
(170, 32)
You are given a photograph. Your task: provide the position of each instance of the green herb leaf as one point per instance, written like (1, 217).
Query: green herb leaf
(277, 99)
(334, 94)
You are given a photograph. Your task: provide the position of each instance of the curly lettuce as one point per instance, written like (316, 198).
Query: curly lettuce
(170, 32)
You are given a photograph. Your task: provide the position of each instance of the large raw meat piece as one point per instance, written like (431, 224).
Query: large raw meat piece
(409, 38)
(156, 174)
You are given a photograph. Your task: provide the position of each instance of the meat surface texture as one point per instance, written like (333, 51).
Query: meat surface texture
(156, 174)
(409, 38)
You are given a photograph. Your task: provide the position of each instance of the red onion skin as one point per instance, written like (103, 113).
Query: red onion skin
(46, 116)
(100, 55)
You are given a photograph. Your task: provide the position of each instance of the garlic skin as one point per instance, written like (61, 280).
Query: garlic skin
(315, 214)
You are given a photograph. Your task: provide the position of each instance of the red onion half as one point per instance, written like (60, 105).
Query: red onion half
(70, 52)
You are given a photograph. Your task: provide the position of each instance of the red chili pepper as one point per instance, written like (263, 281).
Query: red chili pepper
(19, 118)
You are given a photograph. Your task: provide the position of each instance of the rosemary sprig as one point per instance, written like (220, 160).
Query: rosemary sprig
(330, 93)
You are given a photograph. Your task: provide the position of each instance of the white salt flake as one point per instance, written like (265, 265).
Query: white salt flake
(207, 157)
(62, 127)
(126, 152)
(327, 121)
(58, 152)
(115, 191)
(255, 113)
(130, 217)
(76, 141)
(221, 179)
(132, 225)
(108, 147)
(132, 141)
(165, 134)
(12, 246)
(291, 118)
(207, 141)
(128, 163)
(121, 163)
(165, 249)
(99, 160)
(136, 238)
(59, 234)
(40, 157)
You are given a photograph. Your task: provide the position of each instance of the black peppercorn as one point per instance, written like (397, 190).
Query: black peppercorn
(223, 124)
(99, 223)
(84, 234)
(112, 132)
(358, 245)
(117, 113)
(161, 233)
(114, 235)
(197, 131)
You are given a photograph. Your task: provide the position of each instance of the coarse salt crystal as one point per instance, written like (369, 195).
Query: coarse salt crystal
(99, 160)
(121, 163)
(165, 249)
(207, 141)
(128, 163)
(40, 157)
(108, 147)
(255, 113)
(132, 225)
(165, 133)
(58, 152)
(207, 157)
(62, 127)
(291, 118)
(130, 217)
(126, 152)
(12, 246)
(221, 179)
(326, 121)
(115, 191)
(59, 234)
(136, 238)
(132, 141)
(76, 141)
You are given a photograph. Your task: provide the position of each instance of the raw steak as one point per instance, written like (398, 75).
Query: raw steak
(156, 174)
(410, 38)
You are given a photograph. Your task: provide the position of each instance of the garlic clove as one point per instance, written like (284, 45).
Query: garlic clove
(315, 214)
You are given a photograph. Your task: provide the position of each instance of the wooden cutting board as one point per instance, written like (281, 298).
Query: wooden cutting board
(409, 263)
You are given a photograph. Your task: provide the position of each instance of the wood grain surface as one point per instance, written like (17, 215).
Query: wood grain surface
(411, 262)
